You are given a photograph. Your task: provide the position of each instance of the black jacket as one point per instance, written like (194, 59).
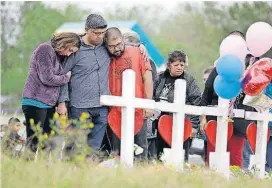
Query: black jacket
(193, 94)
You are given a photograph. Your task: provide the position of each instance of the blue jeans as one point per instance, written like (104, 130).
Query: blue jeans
(268, 166)
(99, 117)
(246, 154)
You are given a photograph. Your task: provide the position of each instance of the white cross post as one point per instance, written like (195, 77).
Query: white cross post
(175, 155)
(261, 140)
(128, 102)
(220, 158)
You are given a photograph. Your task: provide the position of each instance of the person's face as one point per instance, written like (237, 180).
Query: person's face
(95, 36)
(16, 127)
(116, 47)
(68, 50)
(205, 77)
(176, 68)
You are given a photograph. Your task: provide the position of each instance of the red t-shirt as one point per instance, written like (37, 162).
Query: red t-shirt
(131, 59)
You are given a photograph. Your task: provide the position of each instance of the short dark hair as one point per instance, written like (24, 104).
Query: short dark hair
(112, 33)
(95, 21)
(237, 32)
(248, 58)
(13, 120)
(177, 55)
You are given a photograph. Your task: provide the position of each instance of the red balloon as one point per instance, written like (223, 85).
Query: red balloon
(165, 128)
(257, 77)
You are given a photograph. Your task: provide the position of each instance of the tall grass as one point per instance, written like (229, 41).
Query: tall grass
(80, 171)
(42, 174)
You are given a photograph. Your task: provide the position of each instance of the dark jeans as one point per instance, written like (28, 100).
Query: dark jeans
(247, 151)
(140, 139)
(39, 115)
(99, 117)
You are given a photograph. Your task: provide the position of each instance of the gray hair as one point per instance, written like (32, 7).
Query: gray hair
(131, 36)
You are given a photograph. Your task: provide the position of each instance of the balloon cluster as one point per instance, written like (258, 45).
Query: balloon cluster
(230, 66)
(259, 75)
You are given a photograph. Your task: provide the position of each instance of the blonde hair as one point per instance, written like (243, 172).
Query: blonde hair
(62, 40)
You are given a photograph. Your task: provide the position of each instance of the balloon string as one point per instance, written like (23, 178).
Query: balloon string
(230, 110)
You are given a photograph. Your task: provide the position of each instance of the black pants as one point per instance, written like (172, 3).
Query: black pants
(39, 115)
(152, 149)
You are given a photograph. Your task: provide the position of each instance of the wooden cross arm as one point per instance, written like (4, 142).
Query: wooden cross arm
(258, 116)
(197, 110)
(144, 103)
(109, 100)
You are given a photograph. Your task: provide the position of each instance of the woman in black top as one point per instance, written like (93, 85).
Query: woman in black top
(164, 91)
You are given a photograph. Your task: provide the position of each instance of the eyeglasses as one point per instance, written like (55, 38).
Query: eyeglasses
(119, 45)
(98, 33)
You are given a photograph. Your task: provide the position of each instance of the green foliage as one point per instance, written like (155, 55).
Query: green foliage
(196, 28)
(72, 132)
(37, 25)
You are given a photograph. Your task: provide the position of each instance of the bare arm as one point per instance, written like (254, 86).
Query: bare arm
(148, 84)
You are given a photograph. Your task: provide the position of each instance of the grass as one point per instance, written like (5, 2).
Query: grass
(81, 173)
(26, 174)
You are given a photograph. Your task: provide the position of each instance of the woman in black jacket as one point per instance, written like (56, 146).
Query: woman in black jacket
(164, 91)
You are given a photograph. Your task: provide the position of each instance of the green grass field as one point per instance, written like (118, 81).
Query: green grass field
(18, 173)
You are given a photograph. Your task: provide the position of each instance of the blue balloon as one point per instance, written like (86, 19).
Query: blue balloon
(230, 67)
(226, 89)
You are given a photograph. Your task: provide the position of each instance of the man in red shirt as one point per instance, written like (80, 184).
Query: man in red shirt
(123, 58)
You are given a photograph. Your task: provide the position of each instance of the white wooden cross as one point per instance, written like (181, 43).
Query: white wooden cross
(128, 102)
(219, 159)
(261, 140)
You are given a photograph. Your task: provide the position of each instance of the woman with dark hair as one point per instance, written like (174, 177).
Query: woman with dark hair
(236, 143)
(164, 91)
(42, 86)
